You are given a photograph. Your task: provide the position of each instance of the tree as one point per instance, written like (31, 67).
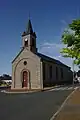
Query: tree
(71, 40)
(5, 77)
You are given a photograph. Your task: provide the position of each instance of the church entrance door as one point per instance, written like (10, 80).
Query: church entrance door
(25, 79)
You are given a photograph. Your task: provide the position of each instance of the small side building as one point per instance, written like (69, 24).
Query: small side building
(33, 70)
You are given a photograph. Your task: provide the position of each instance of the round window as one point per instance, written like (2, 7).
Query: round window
(25, 62)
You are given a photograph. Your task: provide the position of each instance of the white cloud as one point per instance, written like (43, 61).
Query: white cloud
(64, 22)
(66, 27)
(59, 56)
(52, 45)
(53, 50)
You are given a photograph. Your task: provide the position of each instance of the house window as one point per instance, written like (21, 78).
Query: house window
(44, 72)
(50, 71)
(61, 73)
(56, 72)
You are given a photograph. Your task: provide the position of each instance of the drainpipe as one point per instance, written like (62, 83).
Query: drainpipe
(41, 75)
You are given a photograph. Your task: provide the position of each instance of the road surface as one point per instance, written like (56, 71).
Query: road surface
(31, 106)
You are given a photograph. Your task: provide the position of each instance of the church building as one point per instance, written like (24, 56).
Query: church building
(33, 70)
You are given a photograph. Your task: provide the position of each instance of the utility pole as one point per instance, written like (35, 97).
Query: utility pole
(73, 71)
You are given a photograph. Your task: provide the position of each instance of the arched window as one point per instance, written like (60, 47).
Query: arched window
(26, 42)
(50, 72)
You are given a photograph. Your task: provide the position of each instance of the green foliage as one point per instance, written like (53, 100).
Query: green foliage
(71, 38)
(75, 26)
(68, 38)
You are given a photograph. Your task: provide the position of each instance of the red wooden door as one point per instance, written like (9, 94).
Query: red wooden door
(25, 78)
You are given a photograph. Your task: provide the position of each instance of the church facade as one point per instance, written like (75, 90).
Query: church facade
(33, 70)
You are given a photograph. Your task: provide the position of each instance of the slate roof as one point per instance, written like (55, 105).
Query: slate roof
(29, 29)
(47, 58)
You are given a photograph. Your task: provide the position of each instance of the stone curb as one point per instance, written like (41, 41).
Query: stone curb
(45, 89)
(8, 92)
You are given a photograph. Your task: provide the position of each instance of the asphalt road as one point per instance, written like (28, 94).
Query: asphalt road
(32, 106)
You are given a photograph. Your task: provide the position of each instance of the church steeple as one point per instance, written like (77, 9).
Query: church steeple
(29, 38)
(29, 29)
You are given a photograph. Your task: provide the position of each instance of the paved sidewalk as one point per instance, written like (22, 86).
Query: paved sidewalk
(27, 91)
(71, 109)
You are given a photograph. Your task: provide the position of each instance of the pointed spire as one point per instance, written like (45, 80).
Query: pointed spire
(29, 29)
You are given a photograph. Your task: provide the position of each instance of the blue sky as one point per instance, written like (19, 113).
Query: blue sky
(49, 18)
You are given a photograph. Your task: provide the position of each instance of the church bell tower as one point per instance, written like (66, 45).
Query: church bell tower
(29, 38)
